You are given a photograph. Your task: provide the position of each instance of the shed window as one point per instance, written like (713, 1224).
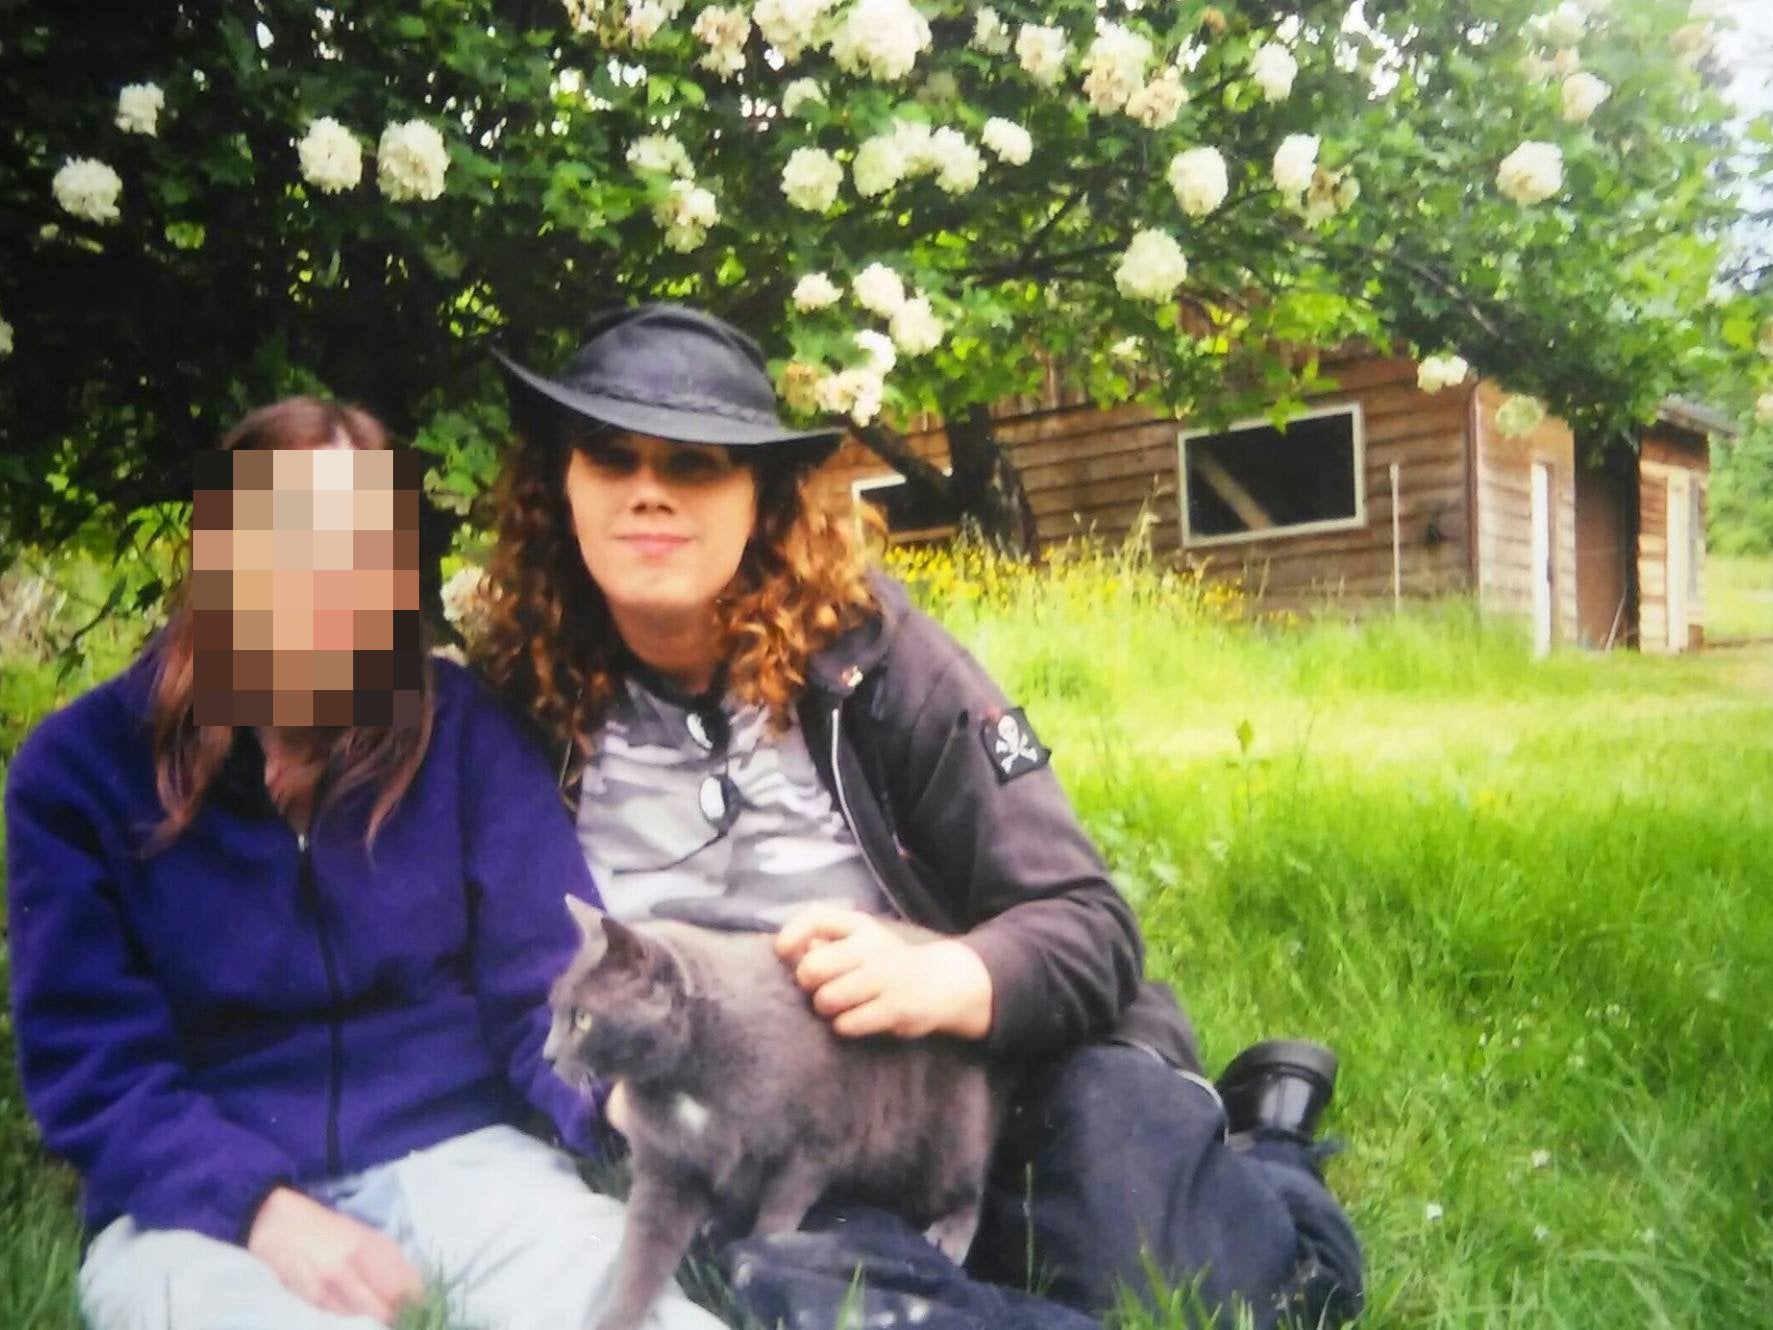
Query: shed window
(1253, 481)
(909, 516)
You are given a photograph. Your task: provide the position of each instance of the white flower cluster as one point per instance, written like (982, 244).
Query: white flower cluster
(1157, 104)
(1199, 180)
(1114, 68)
(810, 179)
(1562, 27)
(686, 211)
(815, 291)
(1012, 144)
(1531, 173)
(330, 156)
(1041, 51)
(411, 161)
(910, 149)
(88, 189)
(1295, 164)
(990, 33)
(138, 109)
(879, 290)
(915, 327)
(880, 38)
(1583, 94)
(855, 392)
(1274, 69)
(799, 93)
(1519, 415)
(467, 601)
(958, 163)
(1438, 372)
(878, 347)
(662, 154)
(791, 26)
(1152, 268)
(724, 32)
(646, 17)
(878, 165)
(5, 338)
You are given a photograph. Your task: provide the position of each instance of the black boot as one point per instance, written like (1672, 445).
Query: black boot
(1280, 1086)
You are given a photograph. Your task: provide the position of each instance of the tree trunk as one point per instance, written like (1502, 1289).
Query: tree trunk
(987, 488)
(984, 490)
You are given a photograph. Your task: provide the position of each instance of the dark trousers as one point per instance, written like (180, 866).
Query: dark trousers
(1111, 1171)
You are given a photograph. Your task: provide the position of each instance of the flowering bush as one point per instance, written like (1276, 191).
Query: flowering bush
(1215, 188)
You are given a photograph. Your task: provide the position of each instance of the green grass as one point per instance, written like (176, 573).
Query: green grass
(1528, 903)
(1739, 597)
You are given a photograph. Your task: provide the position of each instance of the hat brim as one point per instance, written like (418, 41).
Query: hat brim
(680, 425)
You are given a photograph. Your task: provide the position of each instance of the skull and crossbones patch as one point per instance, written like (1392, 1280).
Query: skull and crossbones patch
(1010, 744)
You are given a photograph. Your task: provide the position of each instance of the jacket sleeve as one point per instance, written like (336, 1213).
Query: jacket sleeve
(523, 859)
(1010, 858)
(99, 1054)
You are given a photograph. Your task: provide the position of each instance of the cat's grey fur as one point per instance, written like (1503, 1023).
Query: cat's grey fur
(747, 1108)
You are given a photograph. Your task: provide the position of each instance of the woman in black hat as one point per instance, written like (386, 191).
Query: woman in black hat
(751, 726)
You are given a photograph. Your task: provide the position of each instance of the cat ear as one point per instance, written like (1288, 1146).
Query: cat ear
(589, 918)
(626, 947)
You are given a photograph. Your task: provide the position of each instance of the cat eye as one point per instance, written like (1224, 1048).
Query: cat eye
(581, 1019)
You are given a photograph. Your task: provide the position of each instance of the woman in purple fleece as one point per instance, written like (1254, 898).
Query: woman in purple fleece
(284, 907)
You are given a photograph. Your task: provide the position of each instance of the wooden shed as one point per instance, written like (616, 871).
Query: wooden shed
(1373, 490)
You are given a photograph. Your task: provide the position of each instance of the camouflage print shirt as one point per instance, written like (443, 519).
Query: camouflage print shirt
(672, 821)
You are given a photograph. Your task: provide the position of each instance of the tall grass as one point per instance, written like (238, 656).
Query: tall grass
(1529, 903)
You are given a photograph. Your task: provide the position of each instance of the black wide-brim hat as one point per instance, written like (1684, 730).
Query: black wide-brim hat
(672, 372)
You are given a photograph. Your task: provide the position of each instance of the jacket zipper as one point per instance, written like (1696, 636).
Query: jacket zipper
(843, 805)
(335, 1034)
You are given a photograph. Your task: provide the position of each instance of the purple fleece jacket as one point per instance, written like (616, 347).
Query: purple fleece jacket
(244, 1009)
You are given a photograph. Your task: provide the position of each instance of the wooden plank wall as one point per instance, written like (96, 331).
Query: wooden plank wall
(1504, 515)
(1663, 451)
(1090, 471)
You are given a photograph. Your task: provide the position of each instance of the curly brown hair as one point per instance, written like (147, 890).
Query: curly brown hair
(551, 645)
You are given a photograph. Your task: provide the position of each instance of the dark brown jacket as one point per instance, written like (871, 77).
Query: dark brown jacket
(899, 720)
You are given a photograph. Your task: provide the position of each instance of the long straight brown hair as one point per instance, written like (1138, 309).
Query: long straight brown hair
(188, 756)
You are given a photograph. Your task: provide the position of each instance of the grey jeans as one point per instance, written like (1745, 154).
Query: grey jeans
(497, 1219)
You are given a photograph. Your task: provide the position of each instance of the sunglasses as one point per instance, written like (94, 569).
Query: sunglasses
(717, 797)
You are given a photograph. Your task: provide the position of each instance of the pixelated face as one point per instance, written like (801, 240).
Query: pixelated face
(305, 587)
(661, 525)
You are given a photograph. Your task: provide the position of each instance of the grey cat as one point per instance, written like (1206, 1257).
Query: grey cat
(747, 1108)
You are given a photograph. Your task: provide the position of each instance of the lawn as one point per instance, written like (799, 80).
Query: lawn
(1528, 903)
(1739, 597)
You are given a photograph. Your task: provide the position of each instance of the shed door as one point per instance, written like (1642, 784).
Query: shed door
(1680, 557)
(1542, 562)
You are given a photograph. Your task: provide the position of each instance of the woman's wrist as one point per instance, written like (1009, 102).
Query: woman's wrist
(972, 995)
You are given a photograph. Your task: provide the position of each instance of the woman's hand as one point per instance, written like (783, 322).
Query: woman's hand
(866, 979)
(330, 1260)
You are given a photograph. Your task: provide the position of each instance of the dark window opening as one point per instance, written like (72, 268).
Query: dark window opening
(1255, 481)
(909, 514)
